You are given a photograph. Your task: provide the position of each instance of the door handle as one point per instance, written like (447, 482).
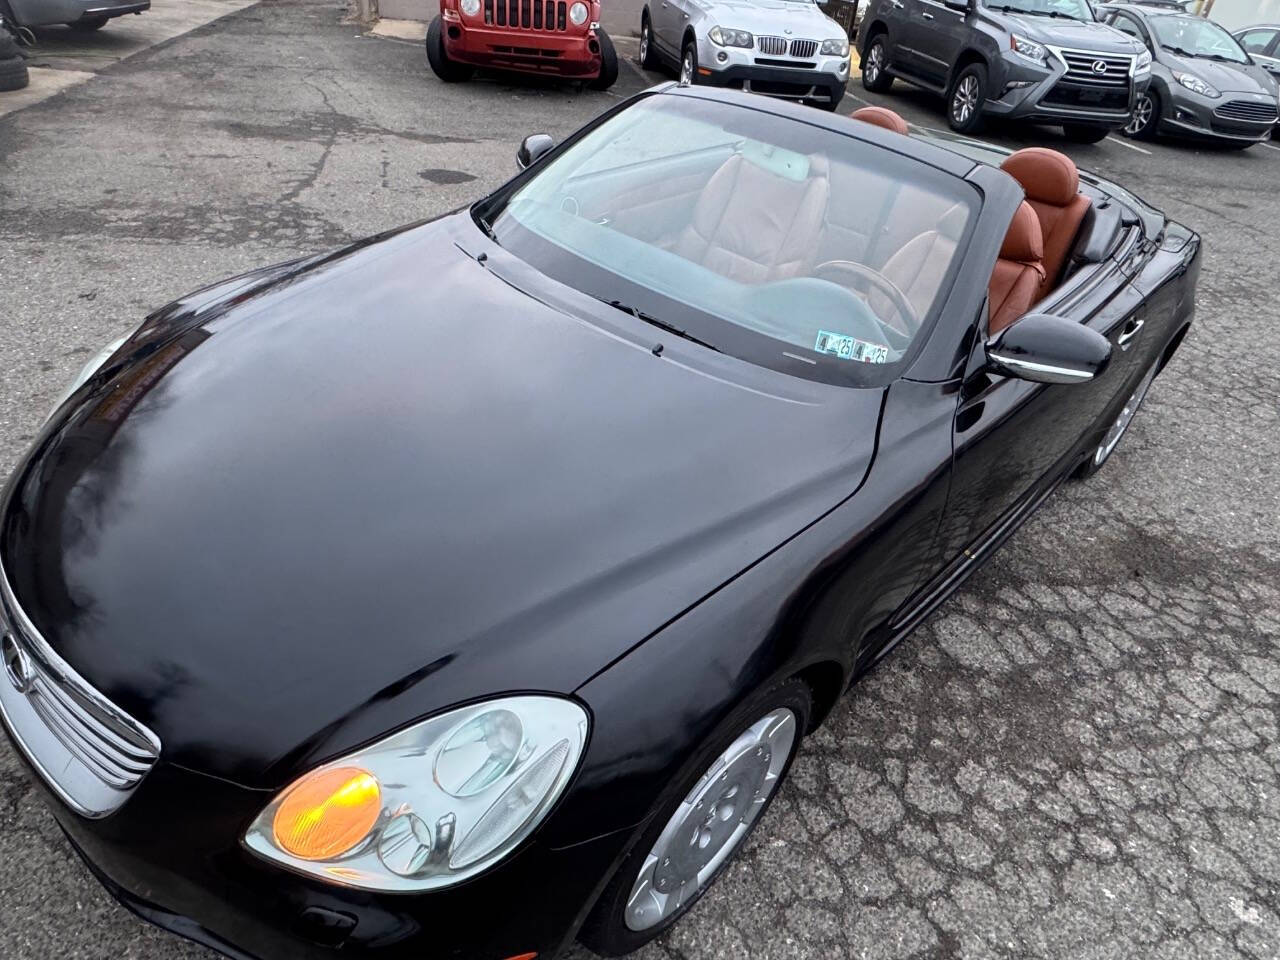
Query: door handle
(927, 16)
(897, 4)
(1131, 330)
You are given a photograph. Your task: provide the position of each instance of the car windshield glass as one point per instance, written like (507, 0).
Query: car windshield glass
(1068, 9)
(768, 238)
(1195, 37)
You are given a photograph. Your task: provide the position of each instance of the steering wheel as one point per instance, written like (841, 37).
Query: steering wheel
(886, 286)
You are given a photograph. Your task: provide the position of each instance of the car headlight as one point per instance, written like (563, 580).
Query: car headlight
(578, 14)
(1143, 64)
(836, 48)
(1196, 85)
(431, 805)
(1029, 49)
(469, 7)
(727, 37)
(87, 371)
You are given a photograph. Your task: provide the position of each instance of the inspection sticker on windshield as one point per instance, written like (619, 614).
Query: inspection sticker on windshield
(851, 348)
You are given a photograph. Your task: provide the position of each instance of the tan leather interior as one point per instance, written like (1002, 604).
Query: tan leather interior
(1052, 185)
(1015, 282)
(918, 268)
(771, 238)
(882, 117)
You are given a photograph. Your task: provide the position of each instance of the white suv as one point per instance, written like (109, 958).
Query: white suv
(782, 48)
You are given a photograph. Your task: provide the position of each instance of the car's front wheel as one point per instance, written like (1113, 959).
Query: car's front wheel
(689, 63)
(648, 55)
(874, 75)
(700, 825)
(608, 63)
(450, 71)
(1084, 133)
(1145, 120)
(1111, 439)
(966, 99)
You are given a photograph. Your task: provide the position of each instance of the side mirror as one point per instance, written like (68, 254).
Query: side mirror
(961, 6)
(533, 147)
(1048, 349)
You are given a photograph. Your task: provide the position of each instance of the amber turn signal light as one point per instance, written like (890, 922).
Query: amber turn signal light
(325, 814)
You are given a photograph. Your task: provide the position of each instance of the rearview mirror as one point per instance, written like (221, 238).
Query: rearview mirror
(1047, 349)
(533, 147)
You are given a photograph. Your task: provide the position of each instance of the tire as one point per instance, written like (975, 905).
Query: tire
(13, 74)
(689, 63)
(1146, 117)
(648, 55)
(875, 78)
(611, 929)
(447, 70)
(9, 49)
(965, 99)
(1084, 133)
(608, 75)
(1111, 439)
(88, 24)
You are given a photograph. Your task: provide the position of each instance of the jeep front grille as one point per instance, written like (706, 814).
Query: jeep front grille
(527, 14)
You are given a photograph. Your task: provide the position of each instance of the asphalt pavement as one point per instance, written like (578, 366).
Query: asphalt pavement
(1076, 758)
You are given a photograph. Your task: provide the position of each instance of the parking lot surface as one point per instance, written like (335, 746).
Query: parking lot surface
(1077, 757)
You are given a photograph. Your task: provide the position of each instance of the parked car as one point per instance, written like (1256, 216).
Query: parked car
(545, 37)
(87, 15)
(1262, 43)
(1203, 84)
(457, 615)
(782, 48)
(1047, 61)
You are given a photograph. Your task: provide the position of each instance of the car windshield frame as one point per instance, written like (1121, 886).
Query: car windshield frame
(1156, 20)
(720, 332)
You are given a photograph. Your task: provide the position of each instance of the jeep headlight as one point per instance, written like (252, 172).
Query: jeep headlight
(836, 48)
(726, 37)
(431, 805)
(1029, 49)
(469, 7)
(578, 14)
(87, 371)
(1196, 85)
(1142, 66)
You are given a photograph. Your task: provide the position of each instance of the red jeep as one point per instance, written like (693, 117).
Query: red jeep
(554, 37)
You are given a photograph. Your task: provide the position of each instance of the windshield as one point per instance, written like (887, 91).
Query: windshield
(1194, 37)
(764, 237)
(1069, 9)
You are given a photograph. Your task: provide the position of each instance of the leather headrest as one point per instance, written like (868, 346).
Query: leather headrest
(1046, 175)
(1024, 242)
(881, 117)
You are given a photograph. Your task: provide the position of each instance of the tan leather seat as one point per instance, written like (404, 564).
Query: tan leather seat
(917, 269)
(1052, 185)
(1015, 282)
(882, 117)
(773, 237)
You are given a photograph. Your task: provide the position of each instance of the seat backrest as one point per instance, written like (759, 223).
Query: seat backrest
(882, 117)
(773, 237)
(918, 267)
(1052, 186)
(1015, 282)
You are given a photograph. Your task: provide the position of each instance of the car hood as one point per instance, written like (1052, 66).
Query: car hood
(774, 17)
(1248, 78)
(279, 526)
(1074, 34)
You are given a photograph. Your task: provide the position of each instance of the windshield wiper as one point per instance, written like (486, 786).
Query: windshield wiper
(1178, 50)
(660, 324)
(1036, 13)
(488, 230)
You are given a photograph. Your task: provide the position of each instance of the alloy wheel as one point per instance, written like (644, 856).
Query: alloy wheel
(965, 100)
(1123, 420)
(712, 821)
(1142, 111)
(875, 62)
(644, 44)
(686, 68)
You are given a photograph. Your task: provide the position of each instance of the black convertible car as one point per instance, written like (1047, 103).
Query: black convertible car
(470, 590)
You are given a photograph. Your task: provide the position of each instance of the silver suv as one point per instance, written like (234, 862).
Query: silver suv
(782, 48)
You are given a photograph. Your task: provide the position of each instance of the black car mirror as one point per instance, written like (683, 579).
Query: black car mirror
(961, 5)
(532, 148)
(1047, 349)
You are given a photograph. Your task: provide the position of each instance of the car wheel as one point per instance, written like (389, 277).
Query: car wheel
(450, 71)
(965, 102)
(874, 75)
(13, 69)
(88, 24)
(1084, 133)
(648, 55)
(1111, 439)
(608, 63)
(689, 63)
(702, 823)
(1146, 116)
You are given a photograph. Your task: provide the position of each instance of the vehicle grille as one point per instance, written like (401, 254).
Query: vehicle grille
(527, 14)
(91, 752)
(1080, 68)
(1087, 97)
(1249, 110)
(774, 46)
(804, 48)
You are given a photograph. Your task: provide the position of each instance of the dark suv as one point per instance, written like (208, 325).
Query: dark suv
(1048, 61)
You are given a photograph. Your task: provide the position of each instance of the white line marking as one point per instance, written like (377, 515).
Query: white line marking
(1269, 146)
(854, 96)
(1131, 146)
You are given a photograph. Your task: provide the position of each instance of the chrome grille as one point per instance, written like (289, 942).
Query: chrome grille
(1250, 110)
(89, 751)
(1081, 68)
(527, 14)
(804, 48)
(774, 46)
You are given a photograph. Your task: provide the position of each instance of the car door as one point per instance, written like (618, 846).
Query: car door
(668, 25)
(937, 35)
(1261, 44)
(895, 15)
